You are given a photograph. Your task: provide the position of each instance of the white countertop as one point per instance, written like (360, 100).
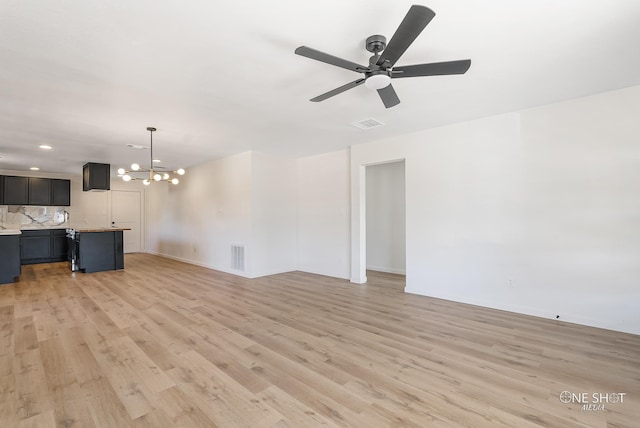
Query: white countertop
(18, 227)
(10, 232)
(29, 227)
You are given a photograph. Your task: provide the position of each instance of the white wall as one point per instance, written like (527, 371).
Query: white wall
(198, 220)
(534, 212)
(94, 208)
(247, 199)
(385, 217)
(274, 215)
(290, 214)
(323, 214)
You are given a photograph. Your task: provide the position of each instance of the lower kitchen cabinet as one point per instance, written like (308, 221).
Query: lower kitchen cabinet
(35, 245)
(59, 244)
(9, 258)
(100, 251)
(43, 246)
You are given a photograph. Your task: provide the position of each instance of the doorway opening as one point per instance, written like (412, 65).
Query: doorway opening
(385, 211)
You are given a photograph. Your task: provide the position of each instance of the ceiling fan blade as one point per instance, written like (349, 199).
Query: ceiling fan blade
(389, 96)
(411, 26)
(432, 69)
(337, 91)
(330, 59)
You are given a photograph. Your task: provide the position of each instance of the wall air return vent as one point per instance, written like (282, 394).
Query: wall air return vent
(237, 257)
(367, 123)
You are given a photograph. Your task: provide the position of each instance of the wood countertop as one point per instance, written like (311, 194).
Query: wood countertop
(17, 231)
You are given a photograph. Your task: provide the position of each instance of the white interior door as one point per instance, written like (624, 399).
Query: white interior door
(125, 213)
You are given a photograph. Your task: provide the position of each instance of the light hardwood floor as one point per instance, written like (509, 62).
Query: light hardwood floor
(166, 344)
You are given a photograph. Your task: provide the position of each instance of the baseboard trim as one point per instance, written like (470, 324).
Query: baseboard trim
(204, 265)
(387, 270)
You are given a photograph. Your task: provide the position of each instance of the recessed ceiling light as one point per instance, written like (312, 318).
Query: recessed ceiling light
(157, 161)
(34, 168)
(137, 146)
(45, 147)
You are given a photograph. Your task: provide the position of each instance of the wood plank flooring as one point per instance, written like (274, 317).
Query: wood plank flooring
(167, 344)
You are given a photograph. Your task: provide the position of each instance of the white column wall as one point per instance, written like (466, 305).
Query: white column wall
(323, 214)
(274, 215)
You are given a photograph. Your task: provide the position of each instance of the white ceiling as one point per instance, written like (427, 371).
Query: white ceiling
(218, 78)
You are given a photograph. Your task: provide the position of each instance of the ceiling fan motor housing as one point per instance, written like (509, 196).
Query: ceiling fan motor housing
(376, 43)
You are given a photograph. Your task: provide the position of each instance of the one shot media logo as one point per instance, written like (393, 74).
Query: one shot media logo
(592, 401)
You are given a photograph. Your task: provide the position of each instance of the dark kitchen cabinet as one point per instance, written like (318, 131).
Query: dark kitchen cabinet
(96, 176)
(43, 246)
(35, 246)
(34, 191)
(100, 251)
(39, 191)
(118, 250)
(9, 258)
(16, 190)
(59, 244)
(60, 193)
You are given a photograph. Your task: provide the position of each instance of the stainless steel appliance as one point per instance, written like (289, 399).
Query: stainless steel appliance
(72, 249)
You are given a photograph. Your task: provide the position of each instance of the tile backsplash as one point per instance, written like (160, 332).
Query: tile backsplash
(18, 216)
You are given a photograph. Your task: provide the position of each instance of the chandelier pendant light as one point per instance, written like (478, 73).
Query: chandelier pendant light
(149, 175)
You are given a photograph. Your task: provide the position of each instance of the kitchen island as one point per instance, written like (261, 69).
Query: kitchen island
(95, 249)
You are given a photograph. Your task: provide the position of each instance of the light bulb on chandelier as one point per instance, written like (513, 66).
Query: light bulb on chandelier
(150, 174)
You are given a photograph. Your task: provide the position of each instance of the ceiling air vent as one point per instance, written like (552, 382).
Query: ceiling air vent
(367, 123)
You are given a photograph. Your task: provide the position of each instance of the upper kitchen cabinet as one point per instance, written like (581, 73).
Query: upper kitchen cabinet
(16, 190)
(60, 193)
(39, 191)
(34, 191)
(96, 176)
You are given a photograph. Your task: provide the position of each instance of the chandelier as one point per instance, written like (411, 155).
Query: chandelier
(148, 175)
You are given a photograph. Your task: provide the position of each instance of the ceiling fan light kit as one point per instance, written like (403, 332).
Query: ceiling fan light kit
(378, 81)
(150, 174)
(381, 68)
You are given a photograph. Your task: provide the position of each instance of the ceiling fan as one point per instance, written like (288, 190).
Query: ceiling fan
(381, 68)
